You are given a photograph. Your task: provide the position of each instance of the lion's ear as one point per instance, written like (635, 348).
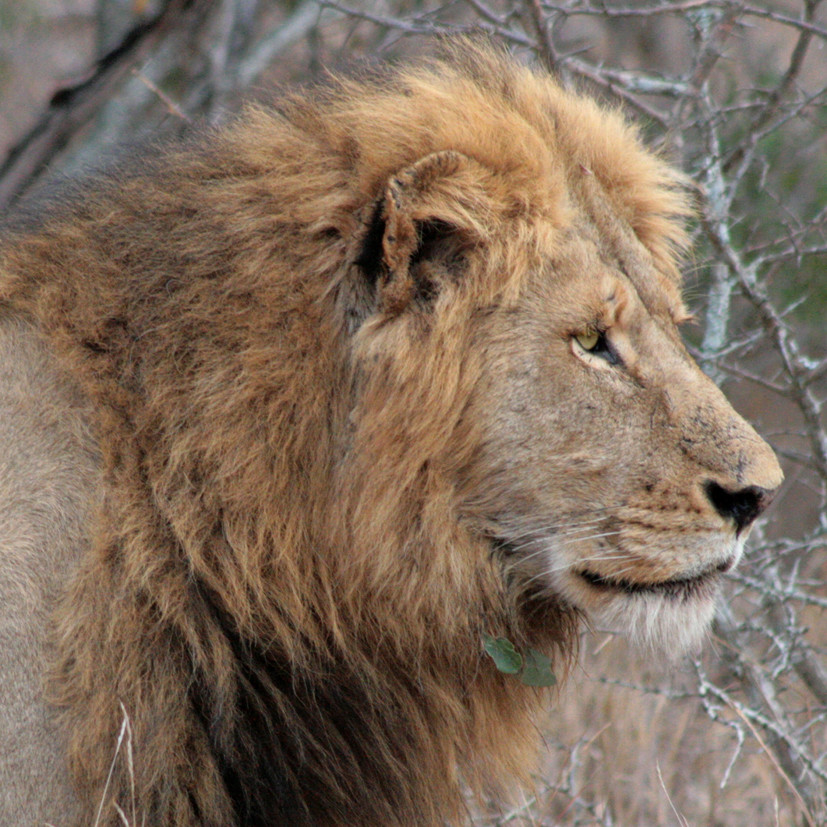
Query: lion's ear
(415, 233)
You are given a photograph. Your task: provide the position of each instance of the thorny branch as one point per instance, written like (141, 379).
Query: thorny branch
(71, 107)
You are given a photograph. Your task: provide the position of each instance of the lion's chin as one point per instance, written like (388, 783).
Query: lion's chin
(670, 617)
(657, 622)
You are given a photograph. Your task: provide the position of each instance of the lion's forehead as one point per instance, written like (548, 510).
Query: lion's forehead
(605, 275)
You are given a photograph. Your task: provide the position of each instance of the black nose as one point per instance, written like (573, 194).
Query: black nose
(741, 506)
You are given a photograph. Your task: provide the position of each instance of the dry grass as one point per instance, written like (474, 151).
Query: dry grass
(629, 743)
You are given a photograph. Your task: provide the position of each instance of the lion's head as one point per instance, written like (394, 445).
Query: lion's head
(523, 339)
(387, 371)
(610, 468)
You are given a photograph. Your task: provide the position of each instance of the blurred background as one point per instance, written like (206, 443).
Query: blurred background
(733, 92)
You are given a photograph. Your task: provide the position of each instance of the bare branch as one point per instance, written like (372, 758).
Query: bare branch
(71, 107)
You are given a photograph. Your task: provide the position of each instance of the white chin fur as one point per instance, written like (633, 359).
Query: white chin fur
(668, 626)
(673, 622)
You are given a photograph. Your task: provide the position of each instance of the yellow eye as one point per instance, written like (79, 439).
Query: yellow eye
(595, 342)
(588, 340)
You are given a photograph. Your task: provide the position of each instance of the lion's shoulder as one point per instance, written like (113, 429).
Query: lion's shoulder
(49, 480)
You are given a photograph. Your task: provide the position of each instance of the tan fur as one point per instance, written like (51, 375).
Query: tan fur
(348, 430)
(48, 482)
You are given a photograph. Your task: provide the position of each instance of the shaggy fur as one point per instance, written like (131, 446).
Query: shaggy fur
(292, 330)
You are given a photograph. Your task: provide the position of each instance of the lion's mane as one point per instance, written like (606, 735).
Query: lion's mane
(281, 598)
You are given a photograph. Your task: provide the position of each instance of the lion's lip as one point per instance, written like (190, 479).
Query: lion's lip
(678, 587)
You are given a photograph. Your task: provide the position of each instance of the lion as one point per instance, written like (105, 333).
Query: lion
(359, 387)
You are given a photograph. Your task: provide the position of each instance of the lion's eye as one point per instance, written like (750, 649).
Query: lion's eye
(596, 343)
(589, 340)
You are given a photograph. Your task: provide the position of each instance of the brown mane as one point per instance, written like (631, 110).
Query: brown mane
(284, 596)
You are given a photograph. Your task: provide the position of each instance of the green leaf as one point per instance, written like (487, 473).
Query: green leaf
(537, 670)
(506, 658)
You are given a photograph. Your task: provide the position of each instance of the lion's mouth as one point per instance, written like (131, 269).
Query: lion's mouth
(681, 588)
(678, 588)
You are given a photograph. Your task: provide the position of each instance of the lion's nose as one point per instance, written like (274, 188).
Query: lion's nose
(741, 506)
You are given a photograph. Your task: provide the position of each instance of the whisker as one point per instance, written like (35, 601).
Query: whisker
(594, 516)
(563, 565)
(555, 529)
(586, 538)
(544, 574)
(570, 535)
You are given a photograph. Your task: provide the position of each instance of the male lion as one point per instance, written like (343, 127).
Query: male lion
(375, 377)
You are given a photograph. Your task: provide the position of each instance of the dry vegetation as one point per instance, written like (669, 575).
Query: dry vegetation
(735, 93)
